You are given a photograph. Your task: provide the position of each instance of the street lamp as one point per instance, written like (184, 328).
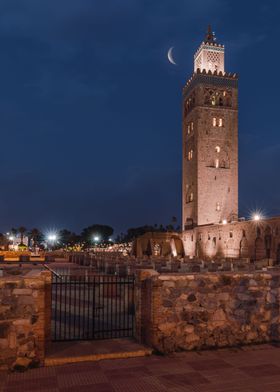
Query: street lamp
(52, 238)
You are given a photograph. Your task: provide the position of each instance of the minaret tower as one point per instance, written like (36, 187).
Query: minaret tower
(210, 139)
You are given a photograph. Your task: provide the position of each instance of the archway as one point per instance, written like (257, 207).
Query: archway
(259, 249)
(278, 254)
(267, 241)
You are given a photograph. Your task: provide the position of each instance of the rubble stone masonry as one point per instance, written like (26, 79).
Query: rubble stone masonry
(197, 311)
(24, 319)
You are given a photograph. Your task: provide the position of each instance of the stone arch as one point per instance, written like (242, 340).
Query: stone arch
(149, 249)
(259, 249)
(231, 249)
(244, 247)
(278, 254)
(228, 101)
(268, 241)
(156, 249)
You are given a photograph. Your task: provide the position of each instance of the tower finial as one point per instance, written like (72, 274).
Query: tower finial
(210, 36)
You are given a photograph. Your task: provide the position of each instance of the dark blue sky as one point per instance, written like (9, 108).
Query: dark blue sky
(90, 108)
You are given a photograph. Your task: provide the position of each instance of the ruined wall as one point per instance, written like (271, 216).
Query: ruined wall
(185, 312)
(248, 239)
(24, 319)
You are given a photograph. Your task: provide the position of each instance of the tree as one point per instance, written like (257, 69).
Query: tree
(103, 232)
(68, 238)
(14, 231)
(36, 236)
(4, 242)
(21, 230)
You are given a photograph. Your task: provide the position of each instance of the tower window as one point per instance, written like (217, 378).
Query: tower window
(220, 122)
(218, 149)
(189, 129)
(217, 163)
(230, 234)
(190, 155)
(218, 206)
(192, 126)
(191, 197)
(214, 121)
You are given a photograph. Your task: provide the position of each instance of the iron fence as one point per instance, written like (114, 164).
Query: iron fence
(86, 307)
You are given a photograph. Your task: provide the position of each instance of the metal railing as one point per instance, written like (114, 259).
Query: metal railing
(86, 307)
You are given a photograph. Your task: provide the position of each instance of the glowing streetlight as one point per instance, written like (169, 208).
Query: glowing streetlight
(11, 238)
(96, 238)
(256, 217)
(52, 237)
(224, 221)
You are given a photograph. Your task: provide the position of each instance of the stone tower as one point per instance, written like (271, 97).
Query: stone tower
(210, 139)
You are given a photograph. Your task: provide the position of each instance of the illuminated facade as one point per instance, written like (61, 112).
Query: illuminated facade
(210, 140)
(211, 227)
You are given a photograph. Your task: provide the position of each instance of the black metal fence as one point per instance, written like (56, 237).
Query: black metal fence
(86, 307)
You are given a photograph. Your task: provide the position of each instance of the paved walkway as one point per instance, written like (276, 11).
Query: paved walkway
(251, 369)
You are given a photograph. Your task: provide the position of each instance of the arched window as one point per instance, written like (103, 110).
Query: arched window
(217, 163)
(220, 122)
(218, 206)
(214, 121)
(190, 155)
(221, 103)
(218, 149)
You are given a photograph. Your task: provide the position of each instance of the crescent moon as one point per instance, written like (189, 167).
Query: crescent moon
(170, 56)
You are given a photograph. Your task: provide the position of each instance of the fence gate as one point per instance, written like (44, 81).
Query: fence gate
(92, 307)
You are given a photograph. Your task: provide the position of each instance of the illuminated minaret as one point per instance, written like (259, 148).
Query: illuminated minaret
(210, 139)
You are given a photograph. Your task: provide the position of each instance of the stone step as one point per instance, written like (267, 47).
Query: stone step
(60, 353)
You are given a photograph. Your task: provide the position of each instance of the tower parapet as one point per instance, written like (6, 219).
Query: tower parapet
(210, 54)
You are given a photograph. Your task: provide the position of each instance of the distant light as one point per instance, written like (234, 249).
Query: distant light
(256, 217)
(11, 238)
(96, 238)
(52, 237)
(224, 221)
(110, 239)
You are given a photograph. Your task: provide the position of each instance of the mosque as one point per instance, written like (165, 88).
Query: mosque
(211, 227)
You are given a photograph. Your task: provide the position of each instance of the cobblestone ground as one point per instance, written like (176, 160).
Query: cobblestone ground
(255, 368)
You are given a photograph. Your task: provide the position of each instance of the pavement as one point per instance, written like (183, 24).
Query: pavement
(247, 369)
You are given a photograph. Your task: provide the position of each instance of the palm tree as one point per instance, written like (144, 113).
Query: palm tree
(21, 230)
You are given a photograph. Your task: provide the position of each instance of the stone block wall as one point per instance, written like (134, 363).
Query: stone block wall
(197, 311)
(247, 239)
(24, 319)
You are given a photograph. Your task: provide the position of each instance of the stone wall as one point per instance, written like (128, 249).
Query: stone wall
(197, 311)
(247, 239)
(24, 319)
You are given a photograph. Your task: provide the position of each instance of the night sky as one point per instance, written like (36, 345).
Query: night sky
(90, 107)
